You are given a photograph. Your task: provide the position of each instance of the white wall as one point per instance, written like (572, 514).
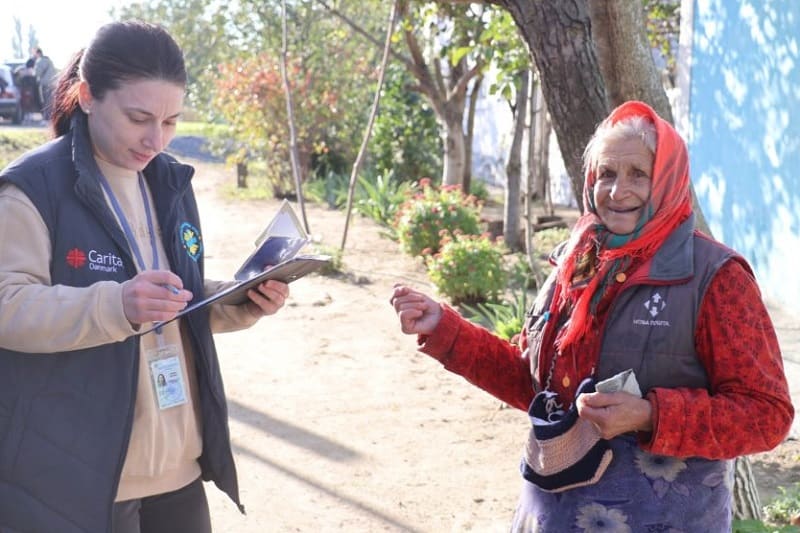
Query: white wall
(494, 124)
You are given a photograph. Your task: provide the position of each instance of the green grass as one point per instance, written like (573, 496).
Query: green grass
(202, 129)
(258, 187)
(16, 141)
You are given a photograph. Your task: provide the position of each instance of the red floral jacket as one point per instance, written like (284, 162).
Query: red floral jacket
(747, 410)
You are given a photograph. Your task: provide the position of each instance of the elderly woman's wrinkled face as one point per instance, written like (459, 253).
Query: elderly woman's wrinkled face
(622, 188)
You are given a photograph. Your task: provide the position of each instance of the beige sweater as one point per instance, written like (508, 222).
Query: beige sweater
(164, 444)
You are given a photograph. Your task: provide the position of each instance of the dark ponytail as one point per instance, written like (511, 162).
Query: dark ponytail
(120, 51)
(65, 97)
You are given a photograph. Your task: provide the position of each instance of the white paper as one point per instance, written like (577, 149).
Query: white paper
(625, 381)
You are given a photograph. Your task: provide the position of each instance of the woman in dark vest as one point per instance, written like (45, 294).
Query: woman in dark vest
(103, 428)
(647, 363)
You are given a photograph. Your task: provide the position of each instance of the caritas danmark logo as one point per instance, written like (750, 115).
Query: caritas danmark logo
(76, 258)
(98, 261)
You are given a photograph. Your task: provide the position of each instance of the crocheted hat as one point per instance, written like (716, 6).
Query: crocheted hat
(563, 450)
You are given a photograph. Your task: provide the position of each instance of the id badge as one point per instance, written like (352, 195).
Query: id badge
(166, 376)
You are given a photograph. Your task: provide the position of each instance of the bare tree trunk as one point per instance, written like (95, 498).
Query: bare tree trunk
(474, 94)
(544, 160)
(514, 167)
(559, 38)
(368, 132)
(298, 182)
(241, 174)
(541, 168)
(746, 502)
(532, 137)
(624, 55)
(534, 92)
(453, 142)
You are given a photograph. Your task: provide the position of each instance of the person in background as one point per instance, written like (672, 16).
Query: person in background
(636, 292)
(25, 70)
(101, 238)
(46, 75)
(29, 94)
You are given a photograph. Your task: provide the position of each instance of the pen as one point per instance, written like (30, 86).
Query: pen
(172, 288)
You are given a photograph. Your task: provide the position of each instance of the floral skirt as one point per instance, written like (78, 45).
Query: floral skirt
(640, 492)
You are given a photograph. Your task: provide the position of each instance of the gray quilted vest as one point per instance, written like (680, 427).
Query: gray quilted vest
(652, 321)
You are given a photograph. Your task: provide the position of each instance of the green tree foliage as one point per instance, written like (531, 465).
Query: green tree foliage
(331, 96)
(232, 52)
(663, 26)
(505, 52)
(249, 95)
(405, 139)
(202, 28)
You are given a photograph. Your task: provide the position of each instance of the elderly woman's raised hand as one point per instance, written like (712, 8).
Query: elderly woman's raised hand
(418, 313)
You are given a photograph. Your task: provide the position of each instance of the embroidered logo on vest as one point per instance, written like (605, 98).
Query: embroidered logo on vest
(76, 258)
(98, 261)
(191, 240)
(107, 262)
(654, 305)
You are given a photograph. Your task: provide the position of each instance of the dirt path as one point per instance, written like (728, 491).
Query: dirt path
(338, 424)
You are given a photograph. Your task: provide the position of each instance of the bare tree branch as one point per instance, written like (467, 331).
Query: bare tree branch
(359, 30)
(419, 67)
(295, 157)
(463, 81)
(368, 132)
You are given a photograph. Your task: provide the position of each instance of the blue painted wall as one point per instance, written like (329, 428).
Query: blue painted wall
(744, 133)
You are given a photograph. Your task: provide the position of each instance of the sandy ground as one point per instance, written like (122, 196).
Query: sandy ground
(337, 423)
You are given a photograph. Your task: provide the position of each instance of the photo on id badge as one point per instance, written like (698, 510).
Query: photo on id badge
(167, 376)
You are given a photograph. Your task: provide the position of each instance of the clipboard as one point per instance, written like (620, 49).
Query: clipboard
(275, 257)
(287, 272)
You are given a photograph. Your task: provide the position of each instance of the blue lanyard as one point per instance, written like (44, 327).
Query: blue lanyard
(126, 226)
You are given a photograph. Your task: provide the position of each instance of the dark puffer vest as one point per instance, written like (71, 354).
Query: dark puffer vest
(65, 418)
(652, 321)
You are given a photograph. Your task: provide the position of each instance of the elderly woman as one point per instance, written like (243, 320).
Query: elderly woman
(637, 293)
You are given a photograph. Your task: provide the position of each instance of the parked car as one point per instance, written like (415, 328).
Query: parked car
(10, 100)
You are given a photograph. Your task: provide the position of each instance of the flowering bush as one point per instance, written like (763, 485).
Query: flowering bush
(468, 269)
(433, 213)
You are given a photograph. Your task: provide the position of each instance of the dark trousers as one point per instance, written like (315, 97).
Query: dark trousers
(182, 511)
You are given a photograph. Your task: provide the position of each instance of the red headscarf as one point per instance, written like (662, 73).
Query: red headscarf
(670, 204)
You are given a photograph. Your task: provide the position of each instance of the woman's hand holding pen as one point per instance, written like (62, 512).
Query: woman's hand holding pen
(153, 296)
